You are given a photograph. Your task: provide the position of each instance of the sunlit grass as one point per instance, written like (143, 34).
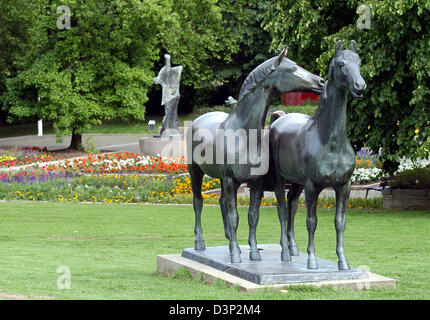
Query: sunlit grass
(111, 250)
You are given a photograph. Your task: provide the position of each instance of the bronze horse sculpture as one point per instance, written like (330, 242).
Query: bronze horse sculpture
(313, 153)
(276, 74)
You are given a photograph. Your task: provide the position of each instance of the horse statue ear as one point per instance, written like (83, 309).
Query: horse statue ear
(353, 46)
(283, 54)
(338, 47)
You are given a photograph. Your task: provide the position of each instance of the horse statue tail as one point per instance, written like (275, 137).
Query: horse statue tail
(276, 115)
(231, 102)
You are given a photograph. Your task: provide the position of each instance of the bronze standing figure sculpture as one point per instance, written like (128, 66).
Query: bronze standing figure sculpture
(314, 153)
(277, 73)
(169, 79)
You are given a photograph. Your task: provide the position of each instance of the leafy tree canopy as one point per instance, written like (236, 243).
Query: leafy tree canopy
(394, 115)
(102, 67)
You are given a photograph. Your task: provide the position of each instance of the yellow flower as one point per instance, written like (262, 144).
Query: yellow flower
(417, 131)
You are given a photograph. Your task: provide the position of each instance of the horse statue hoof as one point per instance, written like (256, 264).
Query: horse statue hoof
(343, 265)
(235, 258)
(254, 255)
(199, 245)
(312, 264)
(285, 255)
(294, 251)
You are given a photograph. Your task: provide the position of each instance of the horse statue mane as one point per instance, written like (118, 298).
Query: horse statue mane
(256, 76)
(260, 73)
(322, 103)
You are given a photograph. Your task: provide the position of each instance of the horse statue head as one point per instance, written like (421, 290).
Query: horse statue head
(284, 75)
(344, 70)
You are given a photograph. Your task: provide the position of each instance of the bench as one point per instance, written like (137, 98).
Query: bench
(268, 187)
(382, 186)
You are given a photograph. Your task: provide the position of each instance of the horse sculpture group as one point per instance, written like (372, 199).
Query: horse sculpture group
(311, 152)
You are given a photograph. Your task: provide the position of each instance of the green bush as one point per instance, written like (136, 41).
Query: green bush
(418, 178)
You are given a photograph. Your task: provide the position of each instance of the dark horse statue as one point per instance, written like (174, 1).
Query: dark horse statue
(276, 74)
(314, 153)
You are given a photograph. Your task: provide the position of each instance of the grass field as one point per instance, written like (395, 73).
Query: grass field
(111, 250)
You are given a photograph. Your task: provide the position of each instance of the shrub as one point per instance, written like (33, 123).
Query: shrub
(418, 178)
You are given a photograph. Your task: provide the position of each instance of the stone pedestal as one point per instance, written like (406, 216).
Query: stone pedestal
(271, 270)
(172, 146)
(214, 264)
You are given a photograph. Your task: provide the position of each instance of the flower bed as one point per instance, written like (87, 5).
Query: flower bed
(109, 188)
(366, 174)
(126, 162)
(123, 178)
(22, 156)
(115, 188)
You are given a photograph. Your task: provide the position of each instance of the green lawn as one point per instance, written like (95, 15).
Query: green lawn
(111, 250)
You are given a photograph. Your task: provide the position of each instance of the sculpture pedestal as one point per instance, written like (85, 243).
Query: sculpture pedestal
(171, 146)
(214, 263)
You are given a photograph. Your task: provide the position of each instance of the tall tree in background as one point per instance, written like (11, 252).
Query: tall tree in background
(102, 67)
(98, 69)
(394, 115)
(243, 19)
(16, 17)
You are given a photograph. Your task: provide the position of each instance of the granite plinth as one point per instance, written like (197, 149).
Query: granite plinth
(166, 146)
(271, 270)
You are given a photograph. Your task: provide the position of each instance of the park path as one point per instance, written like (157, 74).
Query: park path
(103, 142)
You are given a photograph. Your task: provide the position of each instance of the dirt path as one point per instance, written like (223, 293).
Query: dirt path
(8, 296)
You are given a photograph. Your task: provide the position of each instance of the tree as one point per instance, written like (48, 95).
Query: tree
(15, 19)
(98, 69)
(243, 19)
(103, 65)
(394, 115)
(198, 40)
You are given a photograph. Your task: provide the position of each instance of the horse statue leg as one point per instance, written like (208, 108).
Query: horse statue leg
(223, 205)
(230, 187)
(279, 188)
(292, 202)
(196, 185)
(342, 195)
(311, 194)
(256, 193)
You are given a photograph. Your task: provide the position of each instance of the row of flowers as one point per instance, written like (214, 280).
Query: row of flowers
(368, 168)
(115, 188)
(131, 163)
(22, 156)
(363, 174)
(120, 163)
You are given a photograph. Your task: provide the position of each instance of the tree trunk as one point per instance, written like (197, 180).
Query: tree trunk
(76, 142)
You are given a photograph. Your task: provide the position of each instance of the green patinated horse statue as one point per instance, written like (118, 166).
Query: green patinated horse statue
(314, 153)
(276, 74)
